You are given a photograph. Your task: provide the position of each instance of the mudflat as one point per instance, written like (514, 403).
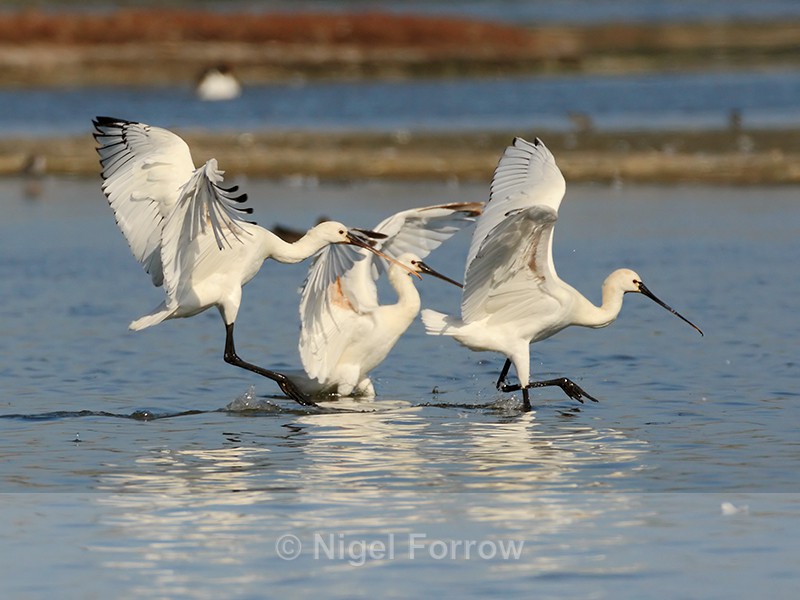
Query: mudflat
(134, 47)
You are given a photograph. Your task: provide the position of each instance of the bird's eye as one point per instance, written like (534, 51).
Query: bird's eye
(342, 232)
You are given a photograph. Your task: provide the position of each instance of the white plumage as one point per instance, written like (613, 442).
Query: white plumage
(189, 232)
(345, 332)
(512, 293)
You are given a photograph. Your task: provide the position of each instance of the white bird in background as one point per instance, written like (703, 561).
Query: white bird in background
(345, 332)
(188, 231)
(512, 295)
(218, 83)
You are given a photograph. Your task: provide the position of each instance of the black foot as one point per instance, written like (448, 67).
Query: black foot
(292, 391)
(287, 386)
(571, 389)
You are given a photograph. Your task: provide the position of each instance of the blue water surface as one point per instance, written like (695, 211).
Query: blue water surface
(654, 101)
(123, 474)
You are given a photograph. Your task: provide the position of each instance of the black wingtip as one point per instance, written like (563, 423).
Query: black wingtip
(240, 199)
(101, 120)
(536, 141)
(101, 123)
(370, 234)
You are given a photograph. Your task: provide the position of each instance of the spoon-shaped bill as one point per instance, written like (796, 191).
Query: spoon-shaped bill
(644, 290)
(423, 268)
(357, 241)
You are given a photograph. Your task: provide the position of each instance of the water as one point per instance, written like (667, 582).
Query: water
(123, 475)
(655, 101)
(515, 11)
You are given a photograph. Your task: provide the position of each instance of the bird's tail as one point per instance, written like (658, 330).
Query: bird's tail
(154, 318)
(437, 323)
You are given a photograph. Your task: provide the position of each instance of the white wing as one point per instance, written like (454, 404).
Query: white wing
(513, 270)
(418, 231)
(526, 175)
(206, 219)
(340, 287)
(143, 169)
(421, 230)
(326, 312)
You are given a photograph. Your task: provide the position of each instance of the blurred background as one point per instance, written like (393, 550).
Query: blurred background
(130, 466)
(349, 89)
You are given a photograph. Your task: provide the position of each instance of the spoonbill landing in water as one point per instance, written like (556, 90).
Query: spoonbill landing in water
(512, 295)
(345, 332)
(189, 232)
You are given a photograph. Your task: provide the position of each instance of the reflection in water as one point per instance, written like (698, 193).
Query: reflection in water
(405, 471)
(476, 451)
(402, 447)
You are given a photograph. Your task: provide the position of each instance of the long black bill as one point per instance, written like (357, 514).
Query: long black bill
(357, 241)
(643, 289)
(423, 268)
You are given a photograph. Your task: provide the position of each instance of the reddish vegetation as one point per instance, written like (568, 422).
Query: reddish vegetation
(73, 48)
(371, 29)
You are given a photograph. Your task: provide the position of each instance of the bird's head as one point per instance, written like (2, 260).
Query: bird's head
(334, 232)
(629, 281)
(417, 267)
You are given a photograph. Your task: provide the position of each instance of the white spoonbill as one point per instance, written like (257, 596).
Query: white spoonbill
(345, 332)
(512, 295)
(189, 232)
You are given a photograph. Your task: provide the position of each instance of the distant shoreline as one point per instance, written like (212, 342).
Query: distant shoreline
(770, 157)
(130, 47)
(127, 47)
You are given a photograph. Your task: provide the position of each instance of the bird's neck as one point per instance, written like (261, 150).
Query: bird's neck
(590, 315)
(407, 295)
(294, 252)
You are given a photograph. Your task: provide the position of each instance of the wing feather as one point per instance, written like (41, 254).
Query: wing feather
(327, 313)
(205, 212)
(143, 170)
(421, 230)
(526, 175)
(513, 270)
(340, 287)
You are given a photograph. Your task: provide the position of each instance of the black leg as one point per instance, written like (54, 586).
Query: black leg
(526, 401)
(515, 387)
(286, 385)
(571, 389)
(502, 379)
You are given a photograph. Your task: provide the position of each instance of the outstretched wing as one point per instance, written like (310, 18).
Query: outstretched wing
(327, 314)
(526, 175)
(421, 230)
(144, 169)
(207, 219)
(418, 231)
(340, 287)
(512, 272)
